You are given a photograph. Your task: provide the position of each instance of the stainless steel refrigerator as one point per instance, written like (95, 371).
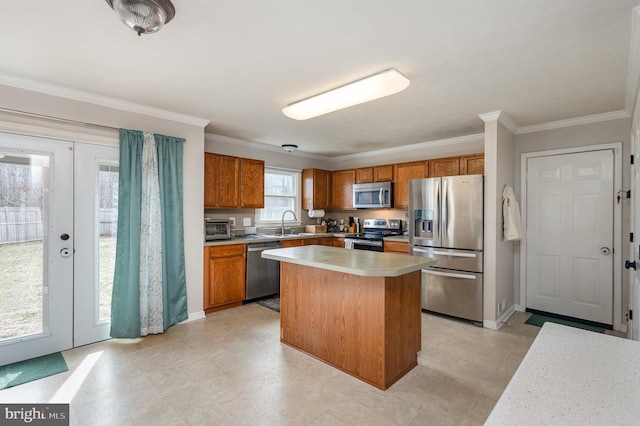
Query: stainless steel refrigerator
(446, 223)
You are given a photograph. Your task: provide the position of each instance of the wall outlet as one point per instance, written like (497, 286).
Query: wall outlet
(232, 222)
(246, 221)
(501, 306)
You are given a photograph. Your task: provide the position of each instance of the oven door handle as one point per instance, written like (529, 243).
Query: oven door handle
(449, 274)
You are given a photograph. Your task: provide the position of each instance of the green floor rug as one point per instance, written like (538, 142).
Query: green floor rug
(31, 369)
(538, 320)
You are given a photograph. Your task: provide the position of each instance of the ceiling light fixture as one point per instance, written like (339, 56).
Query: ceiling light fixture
(376, 86)
(289, 147)
(143, 16)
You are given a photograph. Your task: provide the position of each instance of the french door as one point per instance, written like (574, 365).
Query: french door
(55, 244)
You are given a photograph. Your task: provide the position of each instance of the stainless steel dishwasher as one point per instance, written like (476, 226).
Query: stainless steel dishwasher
(263, 275)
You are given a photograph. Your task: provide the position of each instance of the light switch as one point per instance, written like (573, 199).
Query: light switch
(246, 221)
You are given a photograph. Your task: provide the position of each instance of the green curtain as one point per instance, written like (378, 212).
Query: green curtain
(173, 272)
(125, 305)
(125, 300)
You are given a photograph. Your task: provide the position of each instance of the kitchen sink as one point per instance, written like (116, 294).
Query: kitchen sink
(279, 236)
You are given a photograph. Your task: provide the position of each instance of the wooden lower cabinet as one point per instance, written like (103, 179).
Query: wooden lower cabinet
(224, 276)
(291, 243)
(338, 242)
(396, 247)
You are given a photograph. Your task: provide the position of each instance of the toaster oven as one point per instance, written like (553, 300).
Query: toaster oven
(217, 229)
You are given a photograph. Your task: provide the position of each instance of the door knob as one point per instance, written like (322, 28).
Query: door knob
(64, 237)
(605, 250)
(630, 265)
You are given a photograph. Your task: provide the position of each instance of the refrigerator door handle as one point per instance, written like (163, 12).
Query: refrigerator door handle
(449, 274)
(421, 250)
(436, 215)
(452, 253)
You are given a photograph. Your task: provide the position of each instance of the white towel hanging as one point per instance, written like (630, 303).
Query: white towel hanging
(511, 215)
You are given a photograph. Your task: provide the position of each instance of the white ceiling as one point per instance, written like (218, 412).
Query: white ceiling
(238, 63)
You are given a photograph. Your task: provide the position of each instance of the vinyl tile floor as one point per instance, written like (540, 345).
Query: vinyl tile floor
(231, 369)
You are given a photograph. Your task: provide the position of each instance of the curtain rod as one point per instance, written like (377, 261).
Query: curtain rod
(58, 119)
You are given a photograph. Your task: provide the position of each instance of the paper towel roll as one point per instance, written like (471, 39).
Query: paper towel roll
(316, 213)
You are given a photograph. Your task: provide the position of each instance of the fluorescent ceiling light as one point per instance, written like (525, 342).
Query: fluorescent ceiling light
(376, 86)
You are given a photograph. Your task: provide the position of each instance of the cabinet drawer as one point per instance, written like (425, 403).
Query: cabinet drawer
(224, 251)
(396, 247)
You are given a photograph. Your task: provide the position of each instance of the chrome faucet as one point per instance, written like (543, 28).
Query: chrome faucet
(284, 213)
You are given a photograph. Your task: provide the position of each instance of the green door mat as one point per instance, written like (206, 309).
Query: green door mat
(538, 320)
(31, 369)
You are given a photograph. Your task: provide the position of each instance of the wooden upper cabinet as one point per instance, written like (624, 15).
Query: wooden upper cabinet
(375, 174)
(316, 189)
(472, 164)
(229, 184)
(211, 179)
(342, 189)
(448, 166)
(251, 183)
(364, 175)
(404, 173)
(383, 173)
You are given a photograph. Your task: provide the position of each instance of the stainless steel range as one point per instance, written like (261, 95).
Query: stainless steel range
(374, 232)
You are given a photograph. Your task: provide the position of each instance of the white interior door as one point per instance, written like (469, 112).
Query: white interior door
(633, 330)
(96, 213)
(36, 245)
(569, 243)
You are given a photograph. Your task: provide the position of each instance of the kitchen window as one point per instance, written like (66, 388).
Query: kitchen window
(281, 193)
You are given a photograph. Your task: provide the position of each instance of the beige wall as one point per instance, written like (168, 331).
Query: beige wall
(504, 250)
(498, 262)
(571, 137)
(84, 112)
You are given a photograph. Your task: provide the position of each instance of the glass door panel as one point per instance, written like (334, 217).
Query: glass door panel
(22, 302)
(96, 204)
(36, 264)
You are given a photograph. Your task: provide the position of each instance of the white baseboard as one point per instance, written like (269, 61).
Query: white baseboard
(495, 325)
(195, 316)
(519, 308)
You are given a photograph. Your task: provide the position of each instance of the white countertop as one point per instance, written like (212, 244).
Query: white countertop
(357, 262)
(571, 376)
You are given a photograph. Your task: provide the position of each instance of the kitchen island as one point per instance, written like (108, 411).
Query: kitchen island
(357, 310)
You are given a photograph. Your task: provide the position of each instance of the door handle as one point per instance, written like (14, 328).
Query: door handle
(605, 250)
(630, 265)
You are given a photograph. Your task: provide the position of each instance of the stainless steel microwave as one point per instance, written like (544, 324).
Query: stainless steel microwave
(217, 229)
(372, 195)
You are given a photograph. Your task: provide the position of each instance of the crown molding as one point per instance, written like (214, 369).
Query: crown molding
(212, 137)
(502, 118)
(633, 71)
(413, 147)
(577, 121)
(78, 95)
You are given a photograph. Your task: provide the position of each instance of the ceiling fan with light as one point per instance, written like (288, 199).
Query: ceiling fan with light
(143, 16)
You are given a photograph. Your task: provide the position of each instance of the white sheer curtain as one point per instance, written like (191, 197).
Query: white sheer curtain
(151, 319)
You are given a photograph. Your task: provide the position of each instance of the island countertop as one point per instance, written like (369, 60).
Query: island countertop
(573, 377)
(357, 262)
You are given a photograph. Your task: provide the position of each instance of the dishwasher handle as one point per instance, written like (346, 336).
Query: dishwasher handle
(262, 248)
